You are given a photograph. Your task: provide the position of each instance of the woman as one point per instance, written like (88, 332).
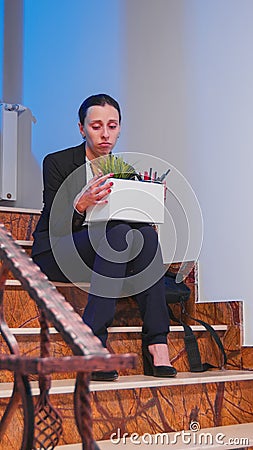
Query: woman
(68, 178)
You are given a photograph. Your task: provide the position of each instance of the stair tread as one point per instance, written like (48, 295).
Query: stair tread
(12, 209)
(134, 329)
(13, 283)
(226, 434)
(140, 381)
(24, 243)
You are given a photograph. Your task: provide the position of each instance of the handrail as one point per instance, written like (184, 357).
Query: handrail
(43, 423)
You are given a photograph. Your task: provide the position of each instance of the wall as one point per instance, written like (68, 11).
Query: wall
(189, 78)
(70, 50)
(219, 63)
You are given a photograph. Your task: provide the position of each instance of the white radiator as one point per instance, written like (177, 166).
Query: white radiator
(8, 152)
(9, 115)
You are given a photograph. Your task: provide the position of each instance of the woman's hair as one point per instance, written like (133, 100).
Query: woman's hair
(100, 100)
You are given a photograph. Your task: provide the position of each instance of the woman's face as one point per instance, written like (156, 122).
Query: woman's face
(101, 129)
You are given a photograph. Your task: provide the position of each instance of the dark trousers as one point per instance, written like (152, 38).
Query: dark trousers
(121, 259)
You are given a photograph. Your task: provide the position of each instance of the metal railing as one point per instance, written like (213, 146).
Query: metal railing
(42, 423)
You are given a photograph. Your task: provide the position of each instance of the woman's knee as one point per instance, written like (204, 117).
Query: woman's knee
(120, 236)
(149, 234)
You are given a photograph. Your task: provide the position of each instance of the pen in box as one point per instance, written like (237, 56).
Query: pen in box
(163, 176)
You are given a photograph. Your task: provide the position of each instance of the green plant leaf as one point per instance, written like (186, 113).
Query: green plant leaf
(116, 165)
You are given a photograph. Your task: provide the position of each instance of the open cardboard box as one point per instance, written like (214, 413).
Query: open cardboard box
(132, 201)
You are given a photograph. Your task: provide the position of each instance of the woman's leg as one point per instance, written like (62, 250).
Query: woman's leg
(151, 298)
(49, 267)
(152, 305)
(109, 270)
(105, 271)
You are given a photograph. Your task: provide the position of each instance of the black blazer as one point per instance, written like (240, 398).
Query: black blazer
(64, 176)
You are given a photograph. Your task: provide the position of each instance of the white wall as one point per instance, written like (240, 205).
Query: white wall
(220, 74)
(155, 110)
(189, 75)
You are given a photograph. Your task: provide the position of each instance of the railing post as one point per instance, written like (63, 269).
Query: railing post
(47, 420)
(82, 410)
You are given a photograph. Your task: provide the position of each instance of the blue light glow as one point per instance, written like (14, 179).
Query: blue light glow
(71, 50)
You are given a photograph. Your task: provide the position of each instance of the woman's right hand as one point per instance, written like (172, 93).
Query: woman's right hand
(94, 193)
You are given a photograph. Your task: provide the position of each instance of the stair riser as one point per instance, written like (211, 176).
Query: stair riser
(165, 409)
(10, 275)
(247, 358)
(153, 410)
(30, 346)
(20, 225)
(20, 309)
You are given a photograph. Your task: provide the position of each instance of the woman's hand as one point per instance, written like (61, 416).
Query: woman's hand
(93, 193)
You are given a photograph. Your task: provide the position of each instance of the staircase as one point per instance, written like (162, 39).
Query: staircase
(136, 406)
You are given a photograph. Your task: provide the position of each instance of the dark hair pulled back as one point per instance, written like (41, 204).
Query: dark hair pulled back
(100, 100)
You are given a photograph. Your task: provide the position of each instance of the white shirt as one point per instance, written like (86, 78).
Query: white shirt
(89, 176)
(89, 172)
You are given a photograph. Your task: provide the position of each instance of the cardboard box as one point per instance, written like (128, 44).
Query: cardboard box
(132, 201)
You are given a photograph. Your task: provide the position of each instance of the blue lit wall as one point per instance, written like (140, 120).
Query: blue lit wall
(72, 49)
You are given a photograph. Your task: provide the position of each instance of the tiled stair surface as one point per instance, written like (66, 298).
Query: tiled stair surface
(136, 403)
(125, 335)
(21, 315)
(151, 405)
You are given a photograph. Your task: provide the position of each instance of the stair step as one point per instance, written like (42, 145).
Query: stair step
(24, 243)
(229, 437)
(67, 386)
(173, 328)
(11, 210)
(16, 283)
(137, 403)
(121, 340)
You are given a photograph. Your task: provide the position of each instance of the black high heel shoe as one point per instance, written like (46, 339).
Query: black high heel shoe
(155, 371)
(100, 375)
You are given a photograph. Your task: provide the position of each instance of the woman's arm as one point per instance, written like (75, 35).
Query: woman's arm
(94, 193)
(60, 188)
(66, 197)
